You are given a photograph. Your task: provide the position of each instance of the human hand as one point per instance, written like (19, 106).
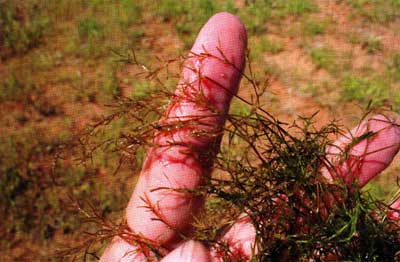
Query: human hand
(179, 160)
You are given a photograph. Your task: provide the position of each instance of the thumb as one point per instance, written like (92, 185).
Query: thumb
(190, 251)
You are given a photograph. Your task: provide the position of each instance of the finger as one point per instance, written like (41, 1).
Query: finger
(395, 212)
(180, 159)
(121, 251)
(190, 251)
(364, 152)
(177, 162)
(240, 241)
(240, 238)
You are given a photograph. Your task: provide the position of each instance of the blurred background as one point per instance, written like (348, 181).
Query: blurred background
(62, 64)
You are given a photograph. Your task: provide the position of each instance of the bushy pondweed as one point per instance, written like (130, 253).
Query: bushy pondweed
(266, 169)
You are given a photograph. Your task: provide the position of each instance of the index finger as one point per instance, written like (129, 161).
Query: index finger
(183, 155)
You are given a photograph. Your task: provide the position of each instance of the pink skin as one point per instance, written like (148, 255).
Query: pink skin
(177, 159)
(367, 158)
(121, 251)
(190, 251)
(395, 213)
(240, 238)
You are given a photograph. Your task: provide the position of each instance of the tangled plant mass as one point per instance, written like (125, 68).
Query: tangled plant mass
(279, 191)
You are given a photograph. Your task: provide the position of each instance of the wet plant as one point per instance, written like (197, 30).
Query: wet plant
(266, 170)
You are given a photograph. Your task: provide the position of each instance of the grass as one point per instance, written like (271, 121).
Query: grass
(89, 28)
(110, 85)
(141, 90)
(23, 180)
(42, 61)
(393, 67)
(14, 89)
(21, 26)
(255, 16)
(377, 11)
(324, 58)
(298, 7)
(365, 90)
(27, 154)
(95, 37)
(377, 88)
(315, 27)
(240, 109)
(170, 9)
(263, 45)
(396, 103)
(271, 46)
(354, 38)
(91, 34)
(393, 74)
(256, 13)
(372, 44)
(189, 15)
